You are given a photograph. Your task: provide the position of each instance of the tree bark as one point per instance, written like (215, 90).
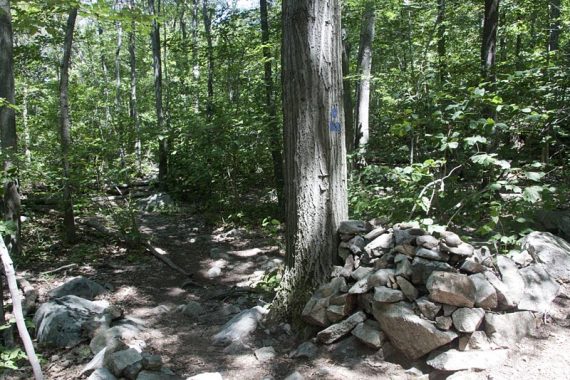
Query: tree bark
(195, 62)
(363, 86)
(489, 44)
(315, 152)
(133, 106)
(270, 111)
(554, 16)
(65, 129)
(157, 68)
(210, 54)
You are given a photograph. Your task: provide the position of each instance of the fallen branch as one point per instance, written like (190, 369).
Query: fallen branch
(161, 255)
(59, 269)
(30, 295)
(432, 183)
(17, 309)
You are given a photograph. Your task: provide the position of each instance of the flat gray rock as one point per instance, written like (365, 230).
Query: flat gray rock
(80, 287)
(156, 375)
(384, 294)
(451, 288)
(60, 322)
(411, 334)
(306, 350)
(428, 308)
(431, 254)
(407, 288)
(467, 319)
(477, 340)
(485, 293)
(508, 329)
(381, 243)
(124, 332)
(550, 250)
(102, 374)
(265, 354)
(454, 360)
(369, 333)
(353, 227)
(334, 332)
(206, 376)
(506, 300)
(423, 268)
(122, 363)
(240, 327)
(540, 289)
(427, 241)
(295, 376)
(443, 323)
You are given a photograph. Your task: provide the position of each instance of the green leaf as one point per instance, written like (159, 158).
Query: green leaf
(534, 176)
(533, 194)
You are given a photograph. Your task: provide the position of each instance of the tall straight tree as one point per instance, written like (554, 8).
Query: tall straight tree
(10, 206)
(271, 114)
(363, 87)
(157, 70)
(133, 105)
(441, 48)
(315, 152)
(65, 128)
(554, 15)
(489, 43)
(347, 90)
(206, 14)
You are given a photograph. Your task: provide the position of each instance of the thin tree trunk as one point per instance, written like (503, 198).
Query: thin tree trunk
(489, 45)
(441, 41)
(65, 128)
(118, 107)
(363, 86)
(25, 122)
(315, 151)
(106, 126)
(347, 97)
(133, 106)
(210, 53)
(554, 16)
(17, 308)
(195, 62)
(157, 66)
(10, 206)
(271, 114)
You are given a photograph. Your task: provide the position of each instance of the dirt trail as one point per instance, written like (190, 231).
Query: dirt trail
(149, 290)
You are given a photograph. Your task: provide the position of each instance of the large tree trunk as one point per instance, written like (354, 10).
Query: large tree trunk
(554, 16)
(133, 106)
(363, 86)
(210, 54)
(489, 44)
(315, 152)
(65, 128)
(157, 67)
(272, 126)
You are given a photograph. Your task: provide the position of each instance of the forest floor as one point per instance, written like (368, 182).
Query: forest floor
(149, 290)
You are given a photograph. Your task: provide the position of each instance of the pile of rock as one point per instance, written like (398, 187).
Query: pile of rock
(434, 296)
(71, 316)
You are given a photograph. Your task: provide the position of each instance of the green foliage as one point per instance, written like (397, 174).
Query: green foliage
(11, 358)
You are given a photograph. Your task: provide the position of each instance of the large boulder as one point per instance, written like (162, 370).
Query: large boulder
(511, 278)
(411, 334)
(60, 321)
(550, 250)
(540, 289)
(451, 288)
(80, 287)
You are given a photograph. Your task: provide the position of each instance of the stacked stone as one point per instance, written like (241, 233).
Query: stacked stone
(429, 296)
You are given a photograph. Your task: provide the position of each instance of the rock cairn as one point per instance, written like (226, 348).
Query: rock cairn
(430, 296)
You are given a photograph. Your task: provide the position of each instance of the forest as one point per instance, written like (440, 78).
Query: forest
(150, 133)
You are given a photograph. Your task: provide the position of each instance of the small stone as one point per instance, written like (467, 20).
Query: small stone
(454, 360)
(431, 254)
(521, 258)
(315, 311)
(403, 236)
(364, 301)
(151, 362)
(361, 273)
(443, 323)
(448, 310)
(463, 249)
(214, 272)
(509, 329)
(206, 376)
(336, 313)
(381, 243)
(408, 289)
(467, 320)
(423, 268)
(102, 374)
(357, 241)
(124, 363)
(451, 288)
(428, 308)
(157, 375)
(369, 333)
(450, 238)
(294, 376)
(79, 287)
(478, 340)
(406, 249)
(381, 277)
(468, 375)
(383, 294)
(404, 268)
(332, 287)
(265, 354)
(471, 266)
(192, 309)
(353, 227)
(374, 233)
(335, 332)
(427, 241)
(306, 350)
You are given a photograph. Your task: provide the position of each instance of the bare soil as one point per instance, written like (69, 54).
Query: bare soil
(149, 290)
